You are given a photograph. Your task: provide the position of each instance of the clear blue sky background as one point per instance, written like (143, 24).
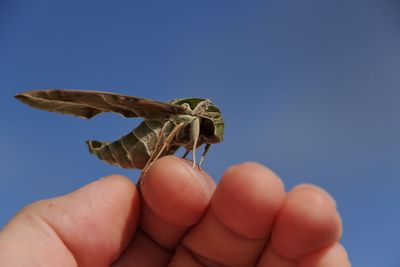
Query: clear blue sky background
(308, 88)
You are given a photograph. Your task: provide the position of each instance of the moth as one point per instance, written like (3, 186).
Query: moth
(185, 122)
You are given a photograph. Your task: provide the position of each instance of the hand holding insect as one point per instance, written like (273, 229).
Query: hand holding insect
(247, 220)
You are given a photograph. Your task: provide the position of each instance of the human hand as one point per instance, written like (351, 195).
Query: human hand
(181, 219)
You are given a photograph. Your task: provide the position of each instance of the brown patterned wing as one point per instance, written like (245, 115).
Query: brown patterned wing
(87, 104)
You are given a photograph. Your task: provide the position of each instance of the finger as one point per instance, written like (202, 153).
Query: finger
(307, 222)
(143, 251)
(270, 258)
(331, 256)
(184, 258)
(89, 227)
(237, 226)
(175, 198)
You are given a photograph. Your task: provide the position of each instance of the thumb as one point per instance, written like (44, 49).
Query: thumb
(89, 227)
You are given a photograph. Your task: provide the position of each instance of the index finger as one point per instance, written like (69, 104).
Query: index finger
(175, 198)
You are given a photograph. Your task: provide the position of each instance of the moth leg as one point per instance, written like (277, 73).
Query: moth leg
(186, 153)
(157, 146)
(167, 141)
(203, 156)
(194, 136)
(155, 151)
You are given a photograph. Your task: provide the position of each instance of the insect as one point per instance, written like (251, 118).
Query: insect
(186, 122)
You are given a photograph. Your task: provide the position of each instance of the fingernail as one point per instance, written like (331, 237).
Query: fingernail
(201, 176)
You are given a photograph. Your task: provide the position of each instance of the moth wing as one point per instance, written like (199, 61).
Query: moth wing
(87, 104)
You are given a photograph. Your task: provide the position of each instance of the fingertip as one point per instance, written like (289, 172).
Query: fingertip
(248, 198)
(121, 185)
(105, 211)
(331, 256)
(256, 171)
(321, 209)
(176, 192)
(318, 195)
(115, 182)
(307, 221)
(115, 195)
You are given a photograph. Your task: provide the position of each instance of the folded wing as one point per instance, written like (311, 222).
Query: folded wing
(87, 104)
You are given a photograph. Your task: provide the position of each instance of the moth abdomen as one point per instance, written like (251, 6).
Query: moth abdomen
(113, 153)
(96, 146)
(102, 151)
(132, 150)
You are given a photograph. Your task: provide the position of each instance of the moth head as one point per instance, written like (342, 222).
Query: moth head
(211, 121)
(212, 128)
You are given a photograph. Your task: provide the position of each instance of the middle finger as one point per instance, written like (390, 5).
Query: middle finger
(236, 227)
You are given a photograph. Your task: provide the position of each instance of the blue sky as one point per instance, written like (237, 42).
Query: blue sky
(308, 88)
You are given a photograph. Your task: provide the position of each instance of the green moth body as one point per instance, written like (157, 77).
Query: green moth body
(187, 122)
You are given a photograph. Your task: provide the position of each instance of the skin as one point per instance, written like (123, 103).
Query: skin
(181, 219)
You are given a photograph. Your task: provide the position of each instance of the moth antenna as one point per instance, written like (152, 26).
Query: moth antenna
(202, 107)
